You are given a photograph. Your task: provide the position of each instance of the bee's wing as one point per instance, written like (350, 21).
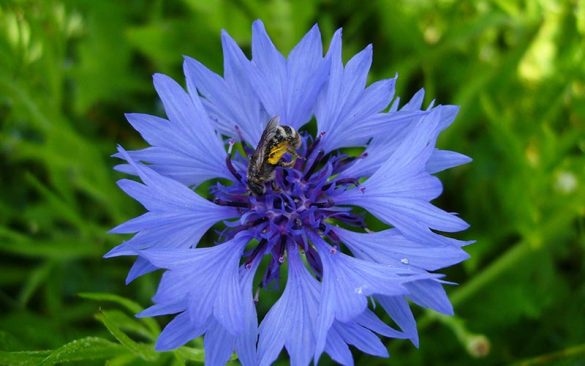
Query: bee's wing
(269, 130)
(260, 152)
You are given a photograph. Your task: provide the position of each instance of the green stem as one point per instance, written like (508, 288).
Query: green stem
(555, 356)
(499, 266)
(477, 345)
(461, 294)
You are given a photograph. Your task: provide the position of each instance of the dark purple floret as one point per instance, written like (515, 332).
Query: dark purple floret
(299, 198)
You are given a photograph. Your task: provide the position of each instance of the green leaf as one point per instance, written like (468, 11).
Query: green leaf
(36, 278)
(195, 354)
(8, 342)
(144, 351)
(191, 354)
(122, 360)
(102, 296)
(23, 358)
(56, 204)
(60, 249)
(128, 304)
(90, 348)
(106, 21)
(131, 324)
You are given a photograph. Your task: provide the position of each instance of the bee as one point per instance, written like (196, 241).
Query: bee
(276, 140)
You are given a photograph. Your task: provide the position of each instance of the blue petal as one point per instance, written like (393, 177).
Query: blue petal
(363, 339)
(183, 141)
(430, 294)
(287, 88)
(246, 341)
(248, 109)
(268, 73)
(178, 332)
(413, 152)
(167, 235)
(178, 216)
(398, 309)
(368, 319)
(347, 282)
(391, 247)
(355, 75)
(153, 219)
(120, 250)
(397, 125)
(219, 344)
(229, 302)
(230, 101)
(444, 159)
(163, 309)
(415, 103)
(307, 73)
(337, 348)
(399, 191)
(188, 169)
(346, 105)
(140, 267)
(160, 192)
(155, 130)
(216, 96)
(290, 321)
(182, 109)
(207, 278)
(330, 97)
(449, 112)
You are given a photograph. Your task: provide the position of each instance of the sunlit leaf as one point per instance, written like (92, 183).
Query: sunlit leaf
(144, 351)
(90, 348)
(126, 303)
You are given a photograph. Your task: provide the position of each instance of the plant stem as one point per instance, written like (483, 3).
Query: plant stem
(504, 262)
(555, 356)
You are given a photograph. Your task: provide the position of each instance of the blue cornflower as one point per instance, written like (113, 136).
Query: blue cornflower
(310, 221)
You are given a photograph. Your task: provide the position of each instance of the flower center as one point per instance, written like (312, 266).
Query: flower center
(298, 199)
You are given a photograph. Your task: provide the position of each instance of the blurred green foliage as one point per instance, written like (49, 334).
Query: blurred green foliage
(70, 69)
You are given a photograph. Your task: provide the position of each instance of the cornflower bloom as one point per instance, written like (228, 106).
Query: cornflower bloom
(221, 245)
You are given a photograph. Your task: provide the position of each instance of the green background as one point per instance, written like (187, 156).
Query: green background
(70, 69)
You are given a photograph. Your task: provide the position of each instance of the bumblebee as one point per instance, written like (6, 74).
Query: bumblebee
(276, 140)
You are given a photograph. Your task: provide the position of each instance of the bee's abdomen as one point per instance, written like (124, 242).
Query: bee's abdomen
(276, 152)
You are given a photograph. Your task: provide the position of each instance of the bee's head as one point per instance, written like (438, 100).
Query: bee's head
(295, 139)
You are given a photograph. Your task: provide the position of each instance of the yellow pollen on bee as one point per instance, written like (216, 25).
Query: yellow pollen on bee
(277, 152)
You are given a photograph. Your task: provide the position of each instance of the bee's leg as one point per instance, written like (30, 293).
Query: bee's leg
(294, 154)
(289, 164)
(275, 187)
